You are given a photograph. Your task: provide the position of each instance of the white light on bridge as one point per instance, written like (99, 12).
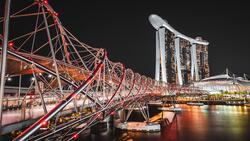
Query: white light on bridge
(49, 76)
(9, 79)
(32, 79)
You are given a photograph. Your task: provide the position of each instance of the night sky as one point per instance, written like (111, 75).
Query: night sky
(123, 29)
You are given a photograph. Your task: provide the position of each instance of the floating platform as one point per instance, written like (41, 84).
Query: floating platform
(139, 126)
(195, 104)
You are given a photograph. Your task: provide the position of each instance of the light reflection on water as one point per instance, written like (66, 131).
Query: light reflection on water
(194, 123)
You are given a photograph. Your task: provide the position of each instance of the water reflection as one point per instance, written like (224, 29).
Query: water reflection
(215, 122)
(194, 123)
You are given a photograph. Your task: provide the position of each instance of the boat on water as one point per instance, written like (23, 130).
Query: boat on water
(235, 103)
(247, 104)
(175, 109)
(195, 104)
(171, 109)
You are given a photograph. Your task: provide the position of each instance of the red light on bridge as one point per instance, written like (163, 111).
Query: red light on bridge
(45, 1)
(99, 115)
(56, 14)
(75, 136)
(11, 44)
(74, 95)
(44, 123)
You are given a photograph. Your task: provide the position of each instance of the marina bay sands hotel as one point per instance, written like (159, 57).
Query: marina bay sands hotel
(179, 59)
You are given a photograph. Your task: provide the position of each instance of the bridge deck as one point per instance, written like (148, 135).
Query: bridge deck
(14, 116)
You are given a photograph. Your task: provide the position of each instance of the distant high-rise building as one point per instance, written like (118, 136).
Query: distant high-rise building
(179, 58)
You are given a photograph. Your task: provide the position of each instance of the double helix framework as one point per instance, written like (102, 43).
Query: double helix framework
(75, 75)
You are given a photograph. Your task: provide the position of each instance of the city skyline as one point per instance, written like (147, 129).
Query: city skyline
(85, 70)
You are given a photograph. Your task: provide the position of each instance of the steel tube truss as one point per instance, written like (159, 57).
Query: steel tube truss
(57, 108)
(4, 54)
(78, 81)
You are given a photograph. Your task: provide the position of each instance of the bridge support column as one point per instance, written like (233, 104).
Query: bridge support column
(177, 60)
(4, 54)
(139, 126)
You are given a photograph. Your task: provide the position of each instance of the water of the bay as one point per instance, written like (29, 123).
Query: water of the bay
(194, 123)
